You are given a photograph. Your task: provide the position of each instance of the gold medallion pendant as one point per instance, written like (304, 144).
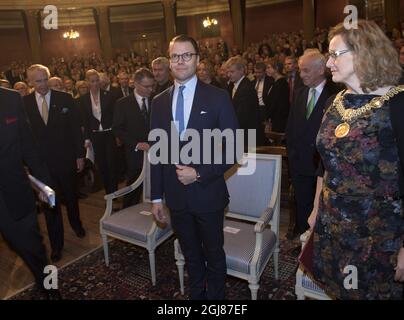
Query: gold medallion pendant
(342, 130)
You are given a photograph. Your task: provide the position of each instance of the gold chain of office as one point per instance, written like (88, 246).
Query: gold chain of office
(348, 115)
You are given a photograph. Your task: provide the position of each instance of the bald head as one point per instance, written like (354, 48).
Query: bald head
(55, 83)
(312, 66)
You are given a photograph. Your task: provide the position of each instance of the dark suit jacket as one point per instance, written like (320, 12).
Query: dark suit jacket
(61, 140)
(278, 105)
(118, 94)
(107, 112)
(301, 133)
(17, 147)
(245, 102)
(268, 82)
(128, 124)
(211, 109)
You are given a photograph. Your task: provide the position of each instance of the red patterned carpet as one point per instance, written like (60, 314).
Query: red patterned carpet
(128, 277)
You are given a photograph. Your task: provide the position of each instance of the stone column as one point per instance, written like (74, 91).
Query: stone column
(392, 14)
(169, 8)
(32, 26)
(104, 31)
(237, 11)
(309, 22)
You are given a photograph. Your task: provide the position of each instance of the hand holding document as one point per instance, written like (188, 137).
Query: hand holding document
(43, 188)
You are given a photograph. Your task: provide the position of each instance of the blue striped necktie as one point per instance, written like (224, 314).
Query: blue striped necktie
(179, 113)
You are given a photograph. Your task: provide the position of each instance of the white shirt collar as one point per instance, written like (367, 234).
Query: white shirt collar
(39, 96)
(320, 87)
(189, 85)
(139, 98)
(238, 82)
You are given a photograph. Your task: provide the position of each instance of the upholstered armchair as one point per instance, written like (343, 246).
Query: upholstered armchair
(305, 286)
(251, 225)
(134, 224)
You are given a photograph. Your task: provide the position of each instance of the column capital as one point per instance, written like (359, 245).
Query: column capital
(169, 3)
(31, 12)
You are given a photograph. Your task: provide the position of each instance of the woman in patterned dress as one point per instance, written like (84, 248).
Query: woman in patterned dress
(357, 220)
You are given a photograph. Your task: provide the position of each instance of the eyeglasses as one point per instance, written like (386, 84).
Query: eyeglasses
(335, 54)
(187, 56)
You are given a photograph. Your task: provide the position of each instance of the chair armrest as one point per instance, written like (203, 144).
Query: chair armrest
(264, 220)
(125, 190)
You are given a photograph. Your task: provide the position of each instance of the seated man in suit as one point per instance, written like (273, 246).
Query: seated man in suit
(195, 193)
(56, 129)
(18, 220)
(131, 125)
(304, 122)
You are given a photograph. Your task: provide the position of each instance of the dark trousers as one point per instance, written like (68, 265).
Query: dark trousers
(134, 163)
(24, 238)
(305, 191)
(201, 239)
(65, 186)
(105, 155)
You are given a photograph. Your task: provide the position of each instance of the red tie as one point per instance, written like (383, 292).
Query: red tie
(290, 82)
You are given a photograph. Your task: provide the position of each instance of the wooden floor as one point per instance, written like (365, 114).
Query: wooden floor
(14, 275)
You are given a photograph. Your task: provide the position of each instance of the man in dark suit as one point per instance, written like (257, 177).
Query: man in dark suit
(195, 193)
(304, 122)
(18, 220)
(98, 109)
(161, 73)
(292, 76)
(262, 84)
(56, 129)
(123, 90)
(132, 125)
(245, 100)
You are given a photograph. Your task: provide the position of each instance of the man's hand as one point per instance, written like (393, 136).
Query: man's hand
(87, 144)
(186, 175)
(80, 164)
(143, 146)
(42, 196)
(399, 276)
(158, 212)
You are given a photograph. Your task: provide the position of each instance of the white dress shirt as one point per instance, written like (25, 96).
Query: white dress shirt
(236, 86)
(39, 100)
(139, 101)
(260, 90)
(96, 108)
(319, 90)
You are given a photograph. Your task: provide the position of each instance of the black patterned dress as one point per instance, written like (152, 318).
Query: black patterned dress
(359, 225)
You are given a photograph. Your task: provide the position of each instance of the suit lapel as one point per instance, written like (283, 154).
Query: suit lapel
(52, 107)
(196, 106)
(33, 109)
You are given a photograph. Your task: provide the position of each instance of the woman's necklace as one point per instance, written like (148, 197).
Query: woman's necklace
(349, 115)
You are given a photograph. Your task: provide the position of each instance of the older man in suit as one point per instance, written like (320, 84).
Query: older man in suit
(245, 99)
(131, 125)
(304, 122)
(195, 193)
(18, 221)
(56, 129)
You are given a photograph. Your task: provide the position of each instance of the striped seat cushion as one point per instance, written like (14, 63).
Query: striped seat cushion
(133, 222)
(239, 248)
